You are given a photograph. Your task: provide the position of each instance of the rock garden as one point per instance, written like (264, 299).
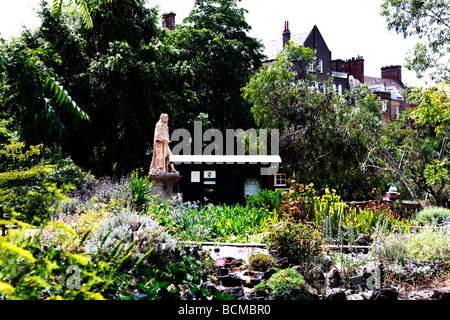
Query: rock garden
(115, 239)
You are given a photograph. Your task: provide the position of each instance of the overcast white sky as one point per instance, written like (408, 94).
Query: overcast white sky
(349, 27)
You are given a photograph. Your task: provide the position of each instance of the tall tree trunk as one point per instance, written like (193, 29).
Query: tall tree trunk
(396, 167)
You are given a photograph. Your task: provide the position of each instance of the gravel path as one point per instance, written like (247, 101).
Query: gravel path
(236, 252)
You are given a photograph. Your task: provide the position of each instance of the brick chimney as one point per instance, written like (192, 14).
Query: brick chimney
(354, 67)
(392, 72)
(168, 20)
(286, 33)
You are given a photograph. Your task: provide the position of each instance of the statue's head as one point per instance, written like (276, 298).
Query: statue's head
(164, 117)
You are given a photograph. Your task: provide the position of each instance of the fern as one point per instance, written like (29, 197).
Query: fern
(82, 6)
(35, 84)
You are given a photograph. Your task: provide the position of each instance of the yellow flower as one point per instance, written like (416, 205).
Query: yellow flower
(17, 250)
(78, 258)
(6, 288)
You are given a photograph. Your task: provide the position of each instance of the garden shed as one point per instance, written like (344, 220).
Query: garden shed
(225, 179)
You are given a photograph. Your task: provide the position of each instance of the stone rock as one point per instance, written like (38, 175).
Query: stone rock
(282, 263)
(440, 295)
(236, 263)
(250, 278)
(269, 272)
(386, 293)
(230, 280)
(337, 295)
(299, 269)
(333, 278)
(363, 240)
(260, 295)
(235, 292)
(223, 271)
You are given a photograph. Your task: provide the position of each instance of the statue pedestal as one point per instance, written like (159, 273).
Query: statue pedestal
(166, 184)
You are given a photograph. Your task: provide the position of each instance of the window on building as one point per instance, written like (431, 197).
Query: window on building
(251, 187)
(280, 179)
(320, 69)
(340, 89)
(384, 106)
(397, 113)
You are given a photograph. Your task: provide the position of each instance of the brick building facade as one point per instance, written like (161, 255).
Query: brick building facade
(389, 86)
(312, 39)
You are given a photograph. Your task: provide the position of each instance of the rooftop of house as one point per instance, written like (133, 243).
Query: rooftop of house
(274, 47)
(383, 85)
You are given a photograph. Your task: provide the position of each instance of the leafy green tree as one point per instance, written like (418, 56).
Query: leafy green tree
(31, 91)
(322, 136)
(123, 73)
(432, 123)
(215, 43)
(430, 20)
(82, 7)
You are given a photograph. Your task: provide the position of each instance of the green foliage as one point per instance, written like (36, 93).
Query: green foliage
(432, 215)
(32, 270)
(205, 223)
(429, 20)
(322, 136)
(13, 155)
(214, 42)
(81, 6)
(141, 190)
(67, 172)
(303, 204)
(288, 284)
(300, 242)
(31, 188)
(127, 230)
(428, 153)
(181, 277)
(260, 261)
(265, 198)
(34, 85)
(425, 245)
(436, 174)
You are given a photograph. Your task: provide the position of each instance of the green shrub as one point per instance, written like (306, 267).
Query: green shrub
(265, 198)
(14, 155)
(67, 172)
(181, 276)
(288, 284)
(300, 242)
(426, 245)
(125, 228)
(261, 287)
(196, 222)
(33, 270)
(432, 215)
(260, 261)
(33, 193)
(141, 189)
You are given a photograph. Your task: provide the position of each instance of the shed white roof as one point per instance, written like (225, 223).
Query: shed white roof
(225, 159)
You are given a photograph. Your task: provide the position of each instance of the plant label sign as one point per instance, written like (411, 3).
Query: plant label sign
(357, 281)
(220, 262)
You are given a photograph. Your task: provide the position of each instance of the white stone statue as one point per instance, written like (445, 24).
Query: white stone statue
(161, 151)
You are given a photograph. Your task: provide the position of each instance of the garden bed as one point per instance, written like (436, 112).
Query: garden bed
(128, 243)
